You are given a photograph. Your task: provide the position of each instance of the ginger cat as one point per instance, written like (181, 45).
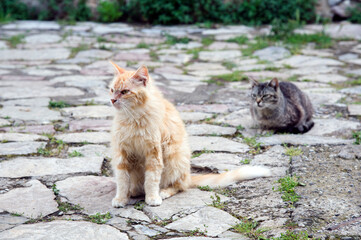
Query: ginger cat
(150, 147)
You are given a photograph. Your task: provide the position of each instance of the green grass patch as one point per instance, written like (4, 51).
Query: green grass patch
(216, 202)
(287, 188)
(194, 52)
(55, 189)
(58, 104)
(293, 151)
(259, 44)
(240, 40)
(248, 228)
(356, 82)
(99, 218)
(205, 188)
(66, 207)
(206, 41)
(236, 76)
(245, 161)
(75, 50)
(293, 78)
(357, 137)
(13, 41)
(139, 205)
(75, 154)
(197, 153)
(252, 142)
(171, 40)
(229, 65)
(142, 45)
(289, 235)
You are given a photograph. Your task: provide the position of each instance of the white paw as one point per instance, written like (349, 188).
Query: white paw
(119, 202)
(153, 200)
(164, 194)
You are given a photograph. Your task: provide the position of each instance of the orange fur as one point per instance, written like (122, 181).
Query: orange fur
(150, 147)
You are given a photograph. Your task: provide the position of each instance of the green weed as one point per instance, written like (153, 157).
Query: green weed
(236, 76)
(357, 137)
(229, 65)
(75, 50)
(252, 142)
(197, 154)
(292, 151)
(66, 207)
(245, 161)
(289, 235)
(248, 228)
(197, 232)
(171, 40)
(58, 104)
(205, 188)
(207, 41)
(55, 190)
(15, 40)
(75, 154)
(139, 205)
(287, 188)
(240, 40)
(259, 44)
(99, 218)
(356, 82)
(142, 45)
(194, 52)
(216, 202)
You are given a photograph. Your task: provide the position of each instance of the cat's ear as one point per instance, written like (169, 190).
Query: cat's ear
(118, 69)
(253, 81)
(141, 76)
(273, 83)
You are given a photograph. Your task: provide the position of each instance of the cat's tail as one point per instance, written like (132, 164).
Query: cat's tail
(227, 178)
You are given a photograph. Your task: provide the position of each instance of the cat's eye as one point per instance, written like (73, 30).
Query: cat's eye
(267, 96)
(112, 90)
(125, 91)
(253, 95)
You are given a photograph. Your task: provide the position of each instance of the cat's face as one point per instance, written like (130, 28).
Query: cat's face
(128, 87)
(265, 95)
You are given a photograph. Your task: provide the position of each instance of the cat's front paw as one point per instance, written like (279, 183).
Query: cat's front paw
(153, 200)
(119, 202)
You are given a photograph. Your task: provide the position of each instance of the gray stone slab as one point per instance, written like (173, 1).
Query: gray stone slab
(37, 129)
(184, 202)
(272, 53)
(39, 54)
(303, 61)
(181, 77)
(141, 229)
(89, 137)
(219, 56)
(32, 201)
(223, 46)
(19, 148)
(237, 118)
(9, 221)
(91, 150)
(310, 70)
(41, 91)
(355, 71)
(21, 137)
(238, 30)
(32, 25)
(208, 129)
(82, 81)
(95, 194)
(46, 72)
(4, 122)
(302, 140)
(347, 56)
(64, 230)
(354, 109)
(200, 66)
(42, 38)
(94, 53)
(325, 127)
(41, 115)
(35, 166)
(217, 162)
(325, 78)
(90, 124)
(178, 59)
(274, 157)
(194, 116)
(112, 28)
(212, 220)
(89, 112)
(207, 108)
(352, 90)
(217, 144)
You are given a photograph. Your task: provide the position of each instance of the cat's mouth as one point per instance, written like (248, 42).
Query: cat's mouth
(113, 101)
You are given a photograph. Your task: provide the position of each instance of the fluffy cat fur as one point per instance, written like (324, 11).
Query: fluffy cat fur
(151, 154)
(281, 106)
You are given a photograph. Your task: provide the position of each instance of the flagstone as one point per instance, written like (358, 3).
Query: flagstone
(19, 148)
(223, 46)
(38, 166)
(94, 53)
(302, 140)
(325, 127)
(178, 59)
(32, 25)
(97, 111)
(33, 201)
(194, 116)
(21, 137)
(217, 144)
(42, 38)
(112, 28)
(4, 122)
(41, 115)
(324, 78)
(88, 137)
(60, 229)
(90, 124)
(303, 61)
(29, 102)
(352, 90)
(207, 108)
(207, 129)
(81, 81)
(9, 221)
(217, 162)
(92, 150)
(30, 54)
(354, 109)
(209, 219)
(219, 56)
(272, 53)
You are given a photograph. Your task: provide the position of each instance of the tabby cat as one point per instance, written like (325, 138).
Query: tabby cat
(151, 154)
(281, 106)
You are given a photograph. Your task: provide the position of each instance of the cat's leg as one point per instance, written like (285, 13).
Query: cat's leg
(136, 183)
(121, 172)
(180, 185)
(153, 173)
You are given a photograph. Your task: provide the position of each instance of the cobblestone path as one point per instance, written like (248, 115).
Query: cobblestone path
(55, 180)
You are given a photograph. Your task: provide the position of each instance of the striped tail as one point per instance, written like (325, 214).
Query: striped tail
(227, 178)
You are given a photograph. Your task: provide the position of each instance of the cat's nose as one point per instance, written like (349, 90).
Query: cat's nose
(113, 100)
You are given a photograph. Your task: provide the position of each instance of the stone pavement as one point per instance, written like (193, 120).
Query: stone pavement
(55, 180)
